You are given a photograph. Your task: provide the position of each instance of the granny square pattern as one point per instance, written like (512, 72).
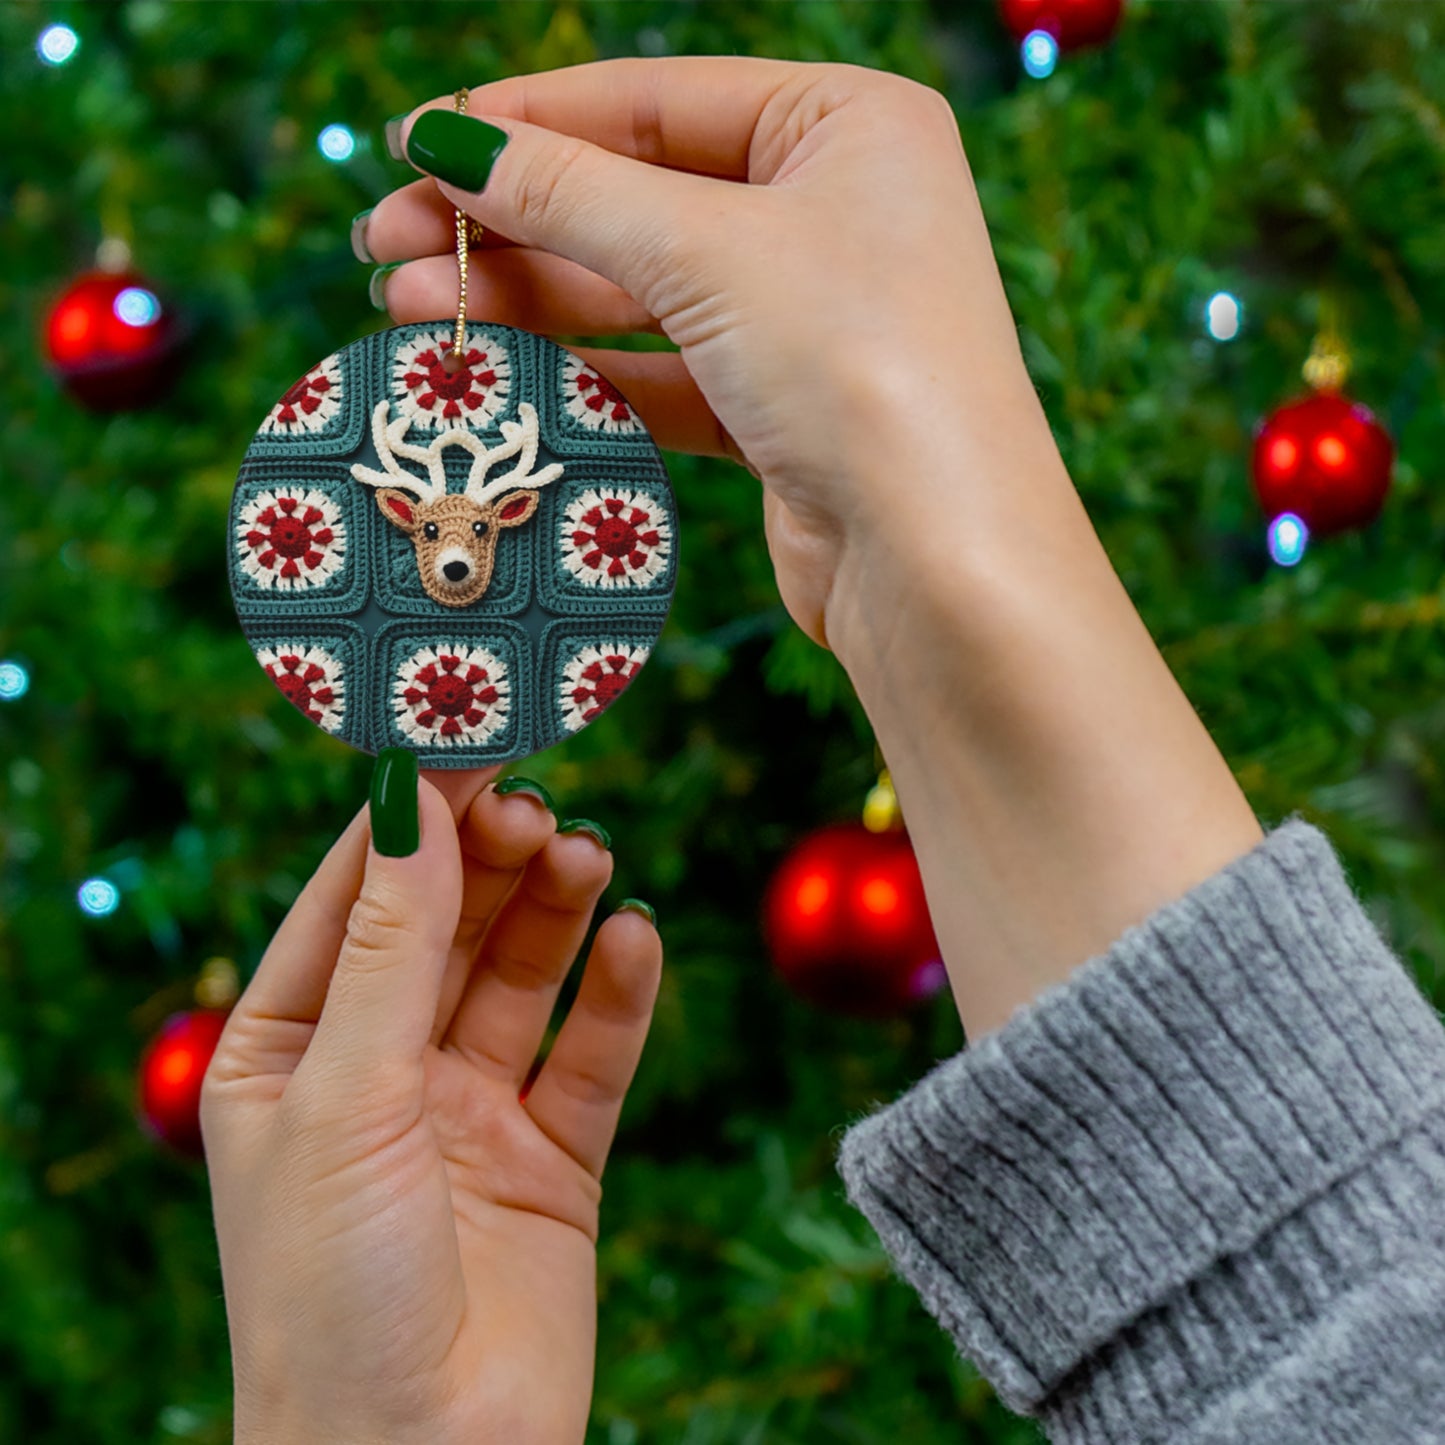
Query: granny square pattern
(470, 561)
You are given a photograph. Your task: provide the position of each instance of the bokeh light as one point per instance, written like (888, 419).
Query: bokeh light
(813, 894)
(14, 681)
(137, 307)
(1223, 316)
(1288, 538)
(57, 44)
(98, 897)
(879, 897)
(1040, 53)
(336, 143)
(1282, 455)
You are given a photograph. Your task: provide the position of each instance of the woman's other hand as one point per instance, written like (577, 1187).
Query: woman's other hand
(407, 1244)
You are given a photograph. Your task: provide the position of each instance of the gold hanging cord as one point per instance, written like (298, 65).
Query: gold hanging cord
(469, 233)
(1328, 366)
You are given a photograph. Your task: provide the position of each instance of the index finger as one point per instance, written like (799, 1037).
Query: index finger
(696, 113)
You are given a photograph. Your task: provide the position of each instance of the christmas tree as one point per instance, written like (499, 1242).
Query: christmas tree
(1179, 215)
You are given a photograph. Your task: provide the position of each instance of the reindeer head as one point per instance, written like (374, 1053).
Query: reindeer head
(455, 533)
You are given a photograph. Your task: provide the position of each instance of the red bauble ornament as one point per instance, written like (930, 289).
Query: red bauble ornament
(171, 1071)
(112, 341)
(847, 923)
(1073, 23)
(1324, 458)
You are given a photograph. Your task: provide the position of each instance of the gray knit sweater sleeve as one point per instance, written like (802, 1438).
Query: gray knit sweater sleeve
(1196, 1192)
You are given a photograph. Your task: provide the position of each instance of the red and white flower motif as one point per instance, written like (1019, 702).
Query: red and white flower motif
(308, 404)
(446, 696)
(615, 537)
(594, 401)
(594, 679)
(433, 396)
(290, 539)
(309, 677)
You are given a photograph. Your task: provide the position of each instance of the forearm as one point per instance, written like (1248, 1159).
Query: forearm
(1056, 782)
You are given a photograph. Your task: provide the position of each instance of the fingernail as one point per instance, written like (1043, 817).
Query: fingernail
(393, 136)
(586, 825)
(376, 287)
(359, 247)
(395, 820)
(509, 786)
(636, 905)
(455, 148)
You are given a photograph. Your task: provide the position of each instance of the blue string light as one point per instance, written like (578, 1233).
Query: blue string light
(98, 897)
(14, 681)
(57, 44)
(1288, 538)
(1223, 316)
(336, 143)
(1040, 54)
(137, 307)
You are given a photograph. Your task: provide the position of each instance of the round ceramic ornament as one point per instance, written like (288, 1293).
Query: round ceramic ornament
(459, 540)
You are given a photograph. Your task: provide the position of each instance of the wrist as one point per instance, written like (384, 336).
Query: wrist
(950, 474)
(1057, 784)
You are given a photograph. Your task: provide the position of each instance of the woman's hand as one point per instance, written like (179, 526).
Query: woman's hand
(407, 1246)
(843, 298)
(810, 237)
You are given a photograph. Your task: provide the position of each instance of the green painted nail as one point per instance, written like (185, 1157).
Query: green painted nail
(455, 148)
(525, 785)
(359, 247)
(395, 821)
(393, 136)
(586, 825)
(376, 287)
(636, 905)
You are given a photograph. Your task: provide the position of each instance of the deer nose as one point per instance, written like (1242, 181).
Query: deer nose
(456, 571)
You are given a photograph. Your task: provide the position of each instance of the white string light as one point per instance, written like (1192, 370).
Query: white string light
(57, 44)
(98, 897)
(336, 143)
(14, 681)
(1288, 538)
(1040, 54)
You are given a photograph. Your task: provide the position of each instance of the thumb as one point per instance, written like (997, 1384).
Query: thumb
(382, 999)
(634, 224)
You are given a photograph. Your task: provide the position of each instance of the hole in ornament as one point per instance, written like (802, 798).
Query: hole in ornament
(453, 362)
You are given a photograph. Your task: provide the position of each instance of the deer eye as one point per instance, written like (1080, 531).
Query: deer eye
(479, 529)
(430, 531)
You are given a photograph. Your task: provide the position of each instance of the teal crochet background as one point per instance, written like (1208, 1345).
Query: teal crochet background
(331, 595)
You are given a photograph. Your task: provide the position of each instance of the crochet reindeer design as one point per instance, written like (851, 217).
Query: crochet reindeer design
(455, 533)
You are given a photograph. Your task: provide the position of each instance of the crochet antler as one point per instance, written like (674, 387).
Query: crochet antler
(455, 533)
(391, 445)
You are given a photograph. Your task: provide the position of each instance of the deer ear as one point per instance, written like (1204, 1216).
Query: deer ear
(398, 509)
(515, 508)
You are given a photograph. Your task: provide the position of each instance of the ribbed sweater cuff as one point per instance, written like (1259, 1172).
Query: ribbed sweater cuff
(1142, 1165)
